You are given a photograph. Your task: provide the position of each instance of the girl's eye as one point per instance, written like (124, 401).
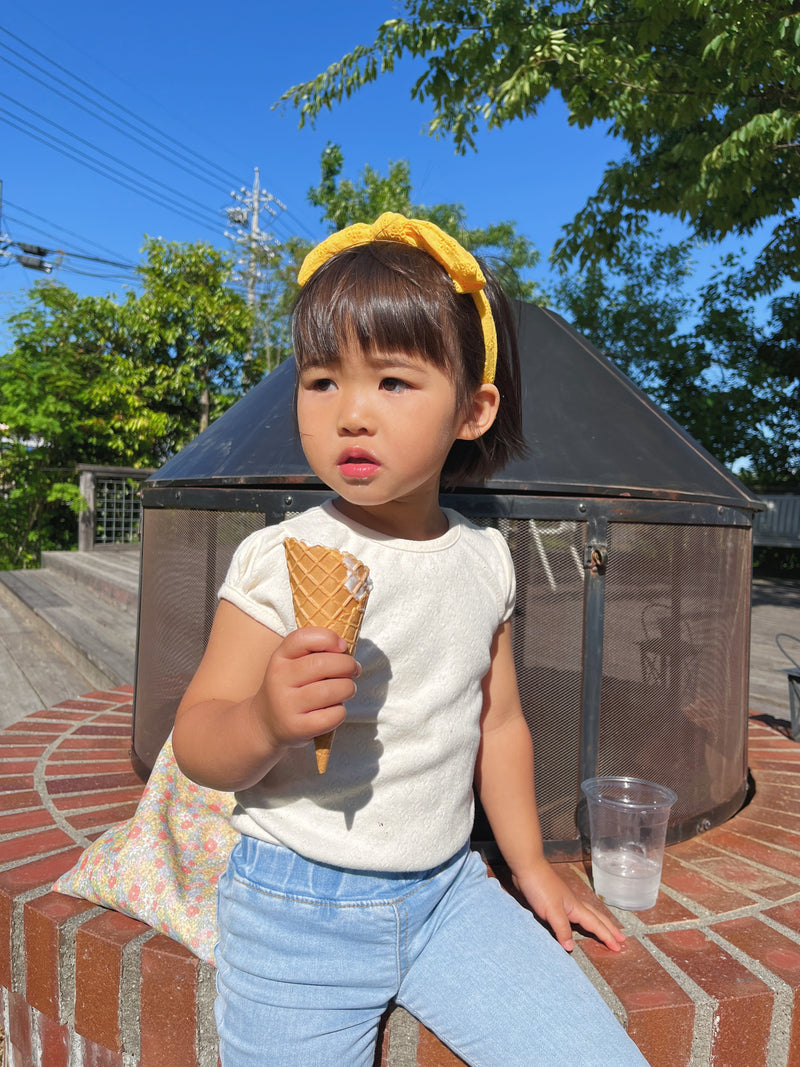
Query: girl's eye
(393, 385)
(320, 385)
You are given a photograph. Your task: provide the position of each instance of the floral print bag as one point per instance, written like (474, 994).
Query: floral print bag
(162, 865)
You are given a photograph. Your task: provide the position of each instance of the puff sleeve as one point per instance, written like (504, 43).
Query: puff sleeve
(257, 580)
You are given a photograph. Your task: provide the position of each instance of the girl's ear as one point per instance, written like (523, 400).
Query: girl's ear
(481, 413)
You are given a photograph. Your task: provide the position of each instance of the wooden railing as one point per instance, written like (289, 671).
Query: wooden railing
(113, 510)
(778, 526)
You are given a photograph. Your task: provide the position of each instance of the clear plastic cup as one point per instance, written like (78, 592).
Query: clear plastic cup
(627, 830)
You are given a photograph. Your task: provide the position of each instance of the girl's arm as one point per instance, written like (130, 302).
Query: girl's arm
(255, 695)
(504, 779)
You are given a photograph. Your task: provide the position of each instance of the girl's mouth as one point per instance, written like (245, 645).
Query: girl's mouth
(357, 464)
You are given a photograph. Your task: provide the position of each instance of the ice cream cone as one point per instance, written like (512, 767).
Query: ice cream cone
(330, 589)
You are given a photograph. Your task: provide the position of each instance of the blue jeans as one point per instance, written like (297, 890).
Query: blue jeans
(309, 957)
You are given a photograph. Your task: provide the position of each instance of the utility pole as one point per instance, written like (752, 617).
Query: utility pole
(251, 240)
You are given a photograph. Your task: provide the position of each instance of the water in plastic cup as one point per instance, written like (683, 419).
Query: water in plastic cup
(627, 828)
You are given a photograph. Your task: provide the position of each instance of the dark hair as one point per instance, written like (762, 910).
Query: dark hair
(386, 296)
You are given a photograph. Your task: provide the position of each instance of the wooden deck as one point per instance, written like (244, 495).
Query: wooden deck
(67, 629)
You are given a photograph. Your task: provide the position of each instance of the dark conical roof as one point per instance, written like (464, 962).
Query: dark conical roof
(591, 432)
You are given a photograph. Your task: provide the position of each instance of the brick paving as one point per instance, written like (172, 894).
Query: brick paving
(710, 975)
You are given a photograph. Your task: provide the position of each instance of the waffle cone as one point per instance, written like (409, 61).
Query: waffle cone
(330, 589)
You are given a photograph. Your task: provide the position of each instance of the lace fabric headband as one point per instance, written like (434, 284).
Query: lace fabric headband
(460, 264)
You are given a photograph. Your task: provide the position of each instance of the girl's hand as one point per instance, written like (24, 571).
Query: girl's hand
(308, 678)
(554, 901)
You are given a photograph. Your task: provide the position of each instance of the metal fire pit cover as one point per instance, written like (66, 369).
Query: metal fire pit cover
(589, 429)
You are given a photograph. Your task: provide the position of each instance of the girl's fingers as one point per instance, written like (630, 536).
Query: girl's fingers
(592, 921)
(325, 695)
(311, 639)
(321, 667)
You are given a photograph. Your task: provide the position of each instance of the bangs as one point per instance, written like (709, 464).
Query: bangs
(383, 297)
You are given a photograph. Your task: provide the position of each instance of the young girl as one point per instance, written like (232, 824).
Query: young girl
(357, 887)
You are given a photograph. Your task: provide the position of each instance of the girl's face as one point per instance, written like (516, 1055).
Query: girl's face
(377, 429)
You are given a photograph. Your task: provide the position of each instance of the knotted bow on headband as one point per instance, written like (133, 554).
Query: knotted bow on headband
(460, 264)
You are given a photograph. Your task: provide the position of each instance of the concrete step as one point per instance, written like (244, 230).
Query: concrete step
(89, 618)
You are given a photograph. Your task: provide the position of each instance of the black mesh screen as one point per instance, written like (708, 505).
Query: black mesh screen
(185, 556)
(675, 660)
(673, 704)
(548, 631)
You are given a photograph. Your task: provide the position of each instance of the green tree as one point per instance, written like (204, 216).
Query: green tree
(278, 267)
(727, 373)
(344, 202)
(705, 97)
(767, 361)
(68, 394)
(92, 380)
(192, 330)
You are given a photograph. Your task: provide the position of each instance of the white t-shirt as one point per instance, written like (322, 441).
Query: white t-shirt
(397, 794)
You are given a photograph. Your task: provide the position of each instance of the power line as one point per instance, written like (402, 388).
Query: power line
(102, 152)
(79, 255)
(49, 222)
(34, 256)
(215, 175)
(125, 178)
(220, 174)
(144, 144)
(83, 159)
(228, 175)
(94, 274)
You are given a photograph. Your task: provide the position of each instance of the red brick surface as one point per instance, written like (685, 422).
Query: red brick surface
(9, 751)
(432, 1053)
(168, 1005)
(12, 801)
(743, 1012)
(44, 920)
(36, 844)
(8, 766)
(19, 1025)
(54, 1041)
(103, 816)
(16, 783)
(97, 1056)
(120, 764)
(20, 821)
(787, 914)
(660, 1014)
(707, 894)
(23, 879)
(727, 914)
(99, 943)
(778, 954)
(126, 794)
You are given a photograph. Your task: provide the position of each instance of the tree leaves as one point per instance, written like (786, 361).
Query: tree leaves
(725, 370)
(704, 95)
(344, 202)
(92, 380)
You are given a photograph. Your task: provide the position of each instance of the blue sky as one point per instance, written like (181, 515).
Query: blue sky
(206, 75)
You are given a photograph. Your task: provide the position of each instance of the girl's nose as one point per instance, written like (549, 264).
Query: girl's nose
(355, 415)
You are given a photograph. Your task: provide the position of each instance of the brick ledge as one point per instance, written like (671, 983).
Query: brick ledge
(711, 974)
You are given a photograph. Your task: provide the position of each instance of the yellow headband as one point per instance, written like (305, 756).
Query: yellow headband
(457, 261)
